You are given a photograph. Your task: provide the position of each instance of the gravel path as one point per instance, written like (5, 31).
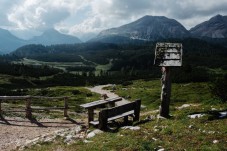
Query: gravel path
(99, 89)
(16, 131)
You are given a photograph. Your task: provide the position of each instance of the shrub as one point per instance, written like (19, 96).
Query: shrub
(219, 88)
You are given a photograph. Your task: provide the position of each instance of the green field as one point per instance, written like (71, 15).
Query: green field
(177, 133)
(58, 65)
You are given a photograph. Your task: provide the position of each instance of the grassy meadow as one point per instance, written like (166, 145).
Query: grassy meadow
(177, 133)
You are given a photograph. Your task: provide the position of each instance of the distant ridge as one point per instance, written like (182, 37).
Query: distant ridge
(9, 42)
(216, 27)
(147, 28)
(52, 36)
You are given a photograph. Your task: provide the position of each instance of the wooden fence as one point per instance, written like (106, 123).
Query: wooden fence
(29, 109)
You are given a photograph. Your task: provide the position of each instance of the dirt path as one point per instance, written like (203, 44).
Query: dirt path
(17, 131)
(99, 89)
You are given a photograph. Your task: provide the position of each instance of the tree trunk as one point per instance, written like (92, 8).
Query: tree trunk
(166, 92)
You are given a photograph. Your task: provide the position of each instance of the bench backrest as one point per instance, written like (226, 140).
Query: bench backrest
(122, 109)
(107, 113)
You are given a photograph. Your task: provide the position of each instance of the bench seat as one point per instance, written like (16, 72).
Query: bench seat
(129, 113)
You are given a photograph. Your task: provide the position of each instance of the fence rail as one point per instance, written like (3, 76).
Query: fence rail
(28, 108)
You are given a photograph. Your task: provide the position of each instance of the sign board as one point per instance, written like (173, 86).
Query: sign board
(168, 54)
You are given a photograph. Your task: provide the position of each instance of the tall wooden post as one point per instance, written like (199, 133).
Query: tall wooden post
(28, 109)
(66, 108)
(166, 92)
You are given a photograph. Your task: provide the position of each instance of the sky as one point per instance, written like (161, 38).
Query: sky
(86, 18)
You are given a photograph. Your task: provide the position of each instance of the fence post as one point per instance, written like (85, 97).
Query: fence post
(66, 108)
(0, 107)
(28, 109)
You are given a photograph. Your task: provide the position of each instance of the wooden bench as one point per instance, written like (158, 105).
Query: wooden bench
(97, 104)
(123, 111)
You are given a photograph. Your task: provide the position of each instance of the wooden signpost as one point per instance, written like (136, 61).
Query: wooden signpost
(167, 55)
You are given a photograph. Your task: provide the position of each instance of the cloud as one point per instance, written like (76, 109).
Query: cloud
(79, 17)
(42, 14)
(113, 13)
(5, 7)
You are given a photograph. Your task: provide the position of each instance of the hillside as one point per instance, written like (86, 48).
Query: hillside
(52, 36)
(196, 119)
(147, 28)
(215, 28)
(9, 42)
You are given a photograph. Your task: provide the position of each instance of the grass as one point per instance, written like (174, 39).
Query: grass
(149, 92)
(177, 133)
(58, 65)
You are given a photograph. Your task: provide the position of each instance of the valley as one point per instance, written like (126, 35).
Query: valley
(117, 62)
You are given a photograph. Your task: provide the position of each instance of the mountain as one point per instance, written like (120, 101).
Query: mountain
(52, 36)
(9, 42)
(147, 28)
(216, 27)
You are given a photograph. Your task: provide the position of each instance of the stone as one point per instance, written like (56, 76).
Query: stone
(131, 127)
(86, 141)
(196, 116)
(90, 135)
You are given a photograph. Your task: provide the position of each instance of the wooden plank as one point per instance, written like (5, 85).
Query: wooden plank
(13, 111)
(45, 97)
(114, 118)
(48, 108)
(120, 109)
(121, 115)
(14, 97)
(100, 102)
(28, 97)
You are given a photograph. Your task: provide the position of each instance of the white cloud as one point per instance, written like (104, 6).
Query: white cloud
(80, 17)
(42, 14)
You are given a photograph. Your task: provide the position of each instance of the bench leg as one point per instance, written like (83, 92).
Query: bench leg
(90, 116)
(125, 120)
(103, 120)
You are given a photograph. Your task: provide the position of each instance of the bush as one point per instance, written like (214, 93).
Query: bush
(219, 88)
(126, 83)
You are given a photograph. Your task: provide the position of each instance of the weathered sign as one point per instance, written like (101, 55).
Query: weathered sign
(168, 54)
